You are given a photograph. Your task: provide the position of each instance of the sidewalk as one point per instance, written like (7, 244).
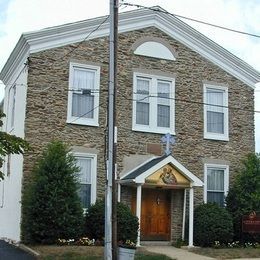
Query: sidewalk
(176, 253)
(183, 254)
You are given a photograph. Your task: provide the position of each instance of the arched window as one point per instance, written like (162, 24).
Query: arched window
(155, 48)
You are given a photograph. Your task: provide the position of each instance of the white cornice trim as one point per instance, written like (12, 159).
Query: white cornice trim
(133, 20)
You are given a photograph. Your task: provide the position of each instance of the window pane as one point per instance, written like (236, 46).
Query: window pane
(215, 112)
(215, 122)
(85, 194)
(163, 101)
(215, 179)
(216, 98)
(143, 90)
(142, 113)
(84, 177)
(82, 105)
(83, 101)
(217, 197)
(83, 79)
(163, 90)
(163, 116)
(142, 103)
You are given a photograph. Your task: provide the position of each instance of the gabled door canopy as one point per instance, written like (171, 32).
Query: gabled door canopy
(139, 174)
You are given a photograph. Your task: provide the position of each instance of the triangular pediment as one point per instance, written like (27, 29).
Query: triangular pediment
(162, 171)
(167, 176)
(62, 35)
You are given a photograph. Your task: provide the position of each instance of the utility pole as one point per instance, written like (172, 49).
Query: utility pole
(111, 194)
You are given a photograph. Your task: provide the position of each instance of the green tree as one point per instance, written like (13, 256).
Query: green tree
(244, 194)
(51, 205)
(9, 144)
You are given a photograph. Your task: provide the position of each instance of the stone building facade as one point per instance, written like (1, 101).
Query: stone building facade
(46, 113)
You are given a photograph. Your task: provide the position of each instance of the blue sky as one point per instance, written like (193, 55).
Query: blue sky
(18, 16)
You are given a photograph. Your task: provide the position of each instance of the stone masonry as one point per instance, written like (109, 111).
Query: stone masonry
(47, 95)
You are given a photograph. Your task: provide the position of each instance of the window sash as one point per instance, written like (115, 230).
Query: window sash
(142, 103)
(216, 197)
(83, 95)
(84, 193)
(216, 183)
(13, 97)
(83, 105)
(163, 103)
(85, 180)
(153, 104)
(215, 112)
(82, 101)
(215, 122)
(215, 179)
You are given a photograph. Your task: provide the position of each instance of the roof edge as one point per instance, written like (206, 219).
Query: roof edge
(131, 20)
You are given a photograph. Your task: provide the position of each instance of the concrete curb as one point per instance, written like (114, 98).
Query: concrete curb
(28, 250)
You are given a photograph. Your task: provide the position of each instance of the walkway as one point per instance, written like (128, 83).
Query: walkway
(176, 253)
(183, 254)
(11, 252)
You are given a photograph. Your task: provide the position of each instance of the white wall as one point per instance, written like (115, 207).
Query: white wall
(10, 188)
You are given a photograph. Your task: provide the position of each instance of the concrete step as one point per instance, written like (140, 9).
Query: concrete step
(155, 243)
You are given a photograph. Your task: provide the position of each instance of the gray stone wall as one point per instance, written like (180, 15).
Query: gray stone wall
(47, 95)
(177, 214)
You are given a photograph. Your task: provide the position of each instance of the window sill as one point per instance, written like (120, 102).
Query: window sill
(74, 121)
(154, 130)
(217, 138)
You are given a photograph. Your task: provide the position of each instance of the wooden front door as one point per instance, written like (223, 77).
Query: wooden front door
(155, 214)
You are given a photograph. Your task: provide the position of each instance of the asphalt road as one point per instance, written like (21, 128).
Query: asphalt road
(10, 252)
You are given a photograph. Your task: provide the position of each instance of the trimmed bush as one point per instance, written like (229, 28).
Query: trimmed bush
(212, 223)
(51, 206)
(127, 223)
(244, 195)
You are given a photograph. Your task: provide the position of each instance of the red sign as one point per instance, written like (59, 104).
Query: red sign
(251, 223)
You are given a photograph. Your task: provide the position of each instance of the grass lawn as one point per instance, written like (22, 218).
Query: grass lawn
(228, 253)
(86, 252)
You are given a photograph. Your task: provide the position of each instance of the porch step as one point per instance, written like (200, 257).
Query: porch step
(155, 243)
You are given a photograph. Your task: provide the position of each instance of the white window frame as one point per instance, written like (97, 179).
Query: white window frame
(93, 158)
(11, 107)
(226, 178)
(81, 120)
(210, 135)
(2, 190)
(152, 127)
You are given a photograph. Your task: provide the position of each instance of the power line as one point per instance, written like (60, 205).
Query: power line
(156, 9)
(190, 101)
(65, 55)
(95, 29)
(88, 112)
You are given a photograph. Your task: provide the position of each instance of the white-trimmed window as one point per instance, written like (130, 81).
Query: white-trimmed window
(83, 97)
(153, 105)
(215, 112)
(216, 181)
(1, 193)
(87, 178)
(12, 101)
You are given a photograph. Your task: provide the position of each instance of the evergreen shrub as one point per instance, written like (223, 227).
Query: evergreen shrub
(244, 196)
(51, 207)
(212, 223)
(127, 223)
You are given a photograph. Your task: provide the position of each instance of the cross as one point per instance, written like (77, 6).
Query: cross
(168, 140)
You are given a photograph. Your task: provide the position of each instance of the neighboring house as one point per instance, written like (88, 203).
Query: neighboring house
(171, 79)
